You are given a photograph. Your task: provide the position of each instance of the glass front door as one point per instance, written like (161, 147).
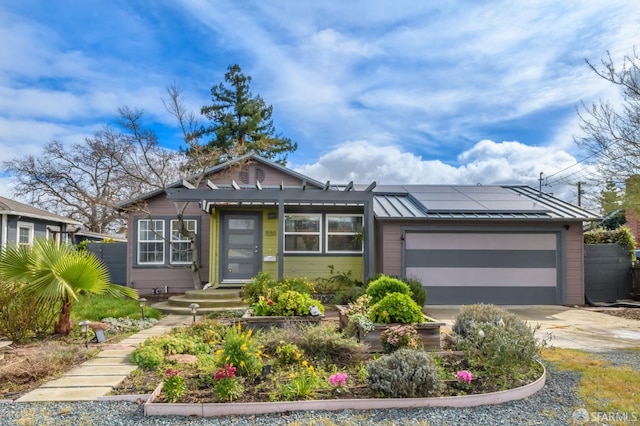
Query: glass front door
(241, 246)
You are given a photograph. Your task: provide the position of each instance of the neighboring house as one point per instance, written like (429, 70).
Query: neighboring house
(21, 224)
(506, 244)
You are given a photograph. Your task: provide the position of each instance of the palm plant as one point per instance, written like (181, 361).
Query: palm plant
(54, 272)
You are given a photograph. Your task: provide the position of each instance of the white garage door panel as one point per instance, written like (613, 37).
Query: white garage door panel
(486, 277)
(479, 241)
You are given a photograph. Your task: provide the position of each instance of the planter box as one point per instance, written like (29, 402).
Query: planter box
(259, 323)
(429, 332)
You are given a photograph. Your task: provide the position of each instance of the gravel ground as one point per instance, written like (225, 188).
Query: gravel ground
(622, 358)
(554, 405)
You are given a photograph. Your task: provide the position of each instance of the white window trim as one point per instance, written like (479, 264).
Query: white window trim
(30, 227)
(319, 234)
(139, 241)
(183, 239)
(326, 241)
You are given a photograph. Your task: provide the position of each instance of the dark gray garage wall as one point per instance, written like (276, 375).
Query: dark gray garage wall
(114, 256)
(607, 270)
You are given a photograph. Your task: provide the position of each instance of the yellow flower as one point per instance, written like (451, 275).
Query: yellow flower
(228, 358)
(242, 364)
(311, 368)
(219, 352)
(249, 332)
(304, 363)
(291, 376)
(243, 347)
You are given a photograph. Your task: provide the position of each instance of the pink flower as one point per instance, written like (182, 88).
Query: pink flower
(338, 380)
(464, 376)
(226, 372)
(171, 373)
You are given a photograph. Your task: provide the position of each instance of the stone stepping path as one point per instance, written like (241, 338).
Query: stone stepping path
(98, 376)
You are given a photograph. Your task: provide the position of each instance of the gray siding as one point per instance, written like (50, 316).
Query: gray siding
(176, 278)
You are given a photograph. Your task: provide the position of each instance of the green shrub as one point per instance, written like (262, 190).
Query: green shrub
(22, 316)
(292, 303)
(498, 344)
(147, 356)
(405, 373)
(288, 353)
(396, 308)
(622, 236)
(477, 314)
(337, 281)
(502, 355)
(347, 295)
(262, 284)
(240, 349)
(418, 293)
(385, 285)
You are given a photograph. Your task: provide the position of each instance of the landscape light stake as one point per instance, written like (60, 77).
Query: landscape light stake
(194, 308)
(84, 327)
(142, 301)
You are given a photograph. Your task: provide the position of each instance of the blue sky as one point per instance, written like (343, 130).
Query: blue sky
(458, 92)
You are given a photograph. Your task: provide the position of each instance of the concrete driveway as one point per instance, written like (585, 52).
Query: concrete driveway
(575, 328)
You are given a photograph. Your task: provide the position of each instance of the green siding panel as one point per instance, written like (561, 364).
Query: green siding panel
(318, 266)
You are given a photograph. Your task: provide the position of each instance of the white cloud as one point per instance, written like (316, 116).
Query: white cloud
(487, 162)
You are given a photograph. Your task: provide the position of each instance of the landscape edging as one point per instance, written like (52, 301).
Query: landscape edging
(251, 408)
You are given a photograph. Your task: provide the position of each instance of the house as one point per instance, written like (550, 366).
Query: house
(503, 244)
(21, 223)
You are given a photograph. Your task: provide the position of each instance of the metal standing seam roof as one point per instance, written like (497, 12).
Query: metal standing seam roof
(460, 202)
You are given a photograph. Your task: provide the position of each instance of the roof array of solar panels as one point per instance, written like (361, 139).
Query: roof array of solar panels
(423, 201)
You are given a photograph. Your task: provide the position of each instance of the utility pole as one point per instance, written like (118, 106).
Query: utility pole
(540, 181)
(580, 192)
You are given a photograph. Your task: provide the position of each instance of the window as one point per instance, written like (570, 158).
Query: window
(151, 241)
(181, 251)
(302, 233)
(24, 235)
(344, 233)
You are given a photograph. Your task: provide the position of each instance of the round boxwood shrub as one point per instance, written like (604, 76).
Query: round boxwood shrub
(386, 285)
(396, 308)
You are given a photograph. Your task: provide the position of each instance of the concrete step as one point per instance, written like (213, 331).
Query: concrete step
(213, 293)
(184, 302)
(166, 308)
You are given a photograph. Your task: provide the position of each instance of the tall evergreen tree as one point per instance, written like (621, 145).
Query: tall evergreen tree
(241, 122)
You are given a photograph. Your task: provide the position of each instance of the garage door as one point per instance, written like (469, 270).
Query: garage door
(487, 267)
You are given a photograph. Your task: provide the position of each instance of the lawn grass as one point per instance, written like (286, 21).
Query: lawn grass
(95, 308)
(603, 387)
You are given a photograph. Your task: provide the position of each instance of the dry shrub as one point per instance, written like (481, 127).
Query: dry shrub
(22, 316)
(323, 343)
(26, 367)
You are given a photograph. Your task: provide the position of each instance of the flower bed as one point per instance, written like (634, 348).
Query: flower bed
(154, 408)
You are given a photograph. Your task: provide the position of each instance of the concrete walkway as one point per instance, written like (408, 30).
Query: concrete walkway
(572, 328)
(98, 376)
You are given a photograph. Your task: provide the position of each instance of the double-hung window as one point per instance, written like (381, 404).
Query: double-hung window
(302, 232)
(151, 241)
(25, 234)
(181, 250)
(344, 233)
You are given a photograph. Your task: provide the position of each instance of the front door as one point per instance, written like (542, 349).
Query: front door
(240, 247)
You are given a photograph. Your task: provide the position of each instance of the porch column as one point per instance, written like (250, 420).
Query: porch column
(280, 238)
(368, 239)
